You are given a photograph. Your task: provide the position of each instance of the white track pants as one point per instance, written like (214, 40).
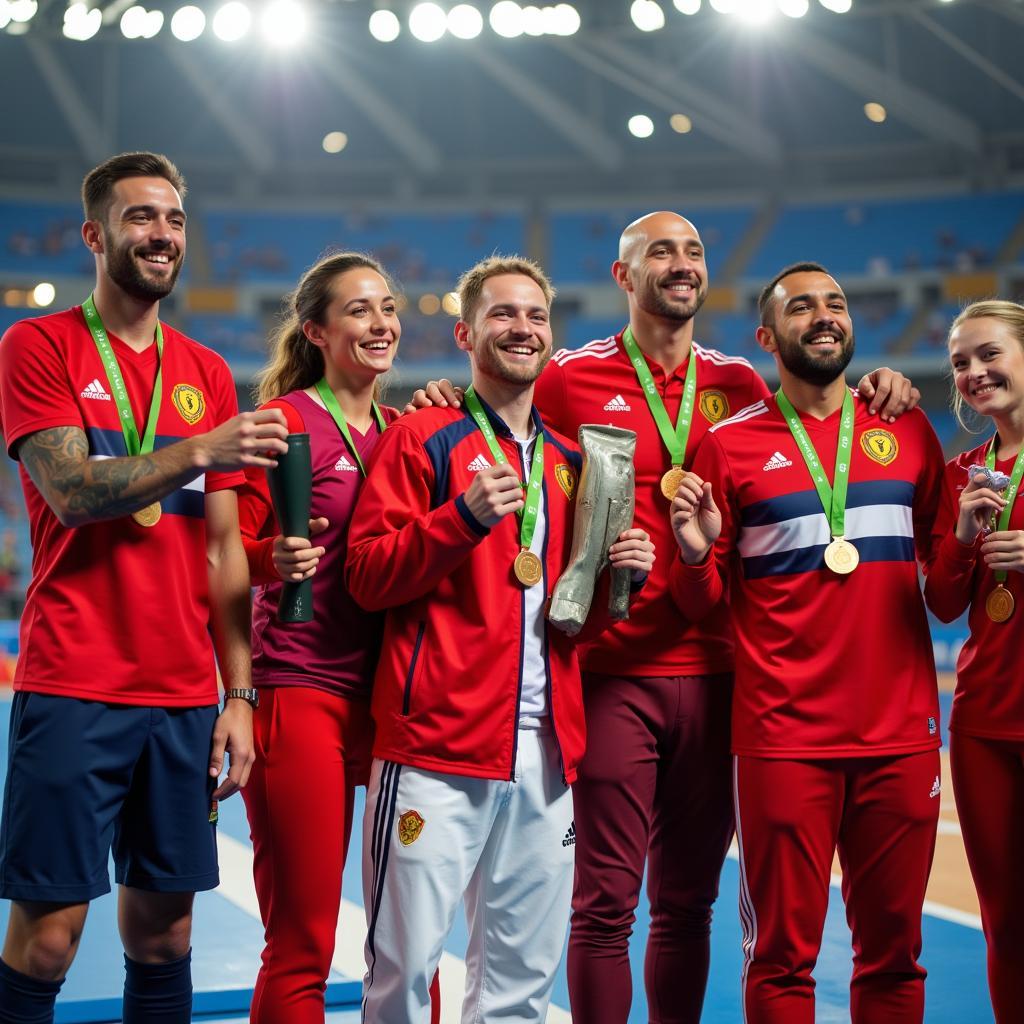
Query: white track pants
(428, 840)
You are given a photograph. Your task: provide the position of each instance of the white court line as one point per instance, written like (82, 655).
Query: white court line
(932, 909)
(236, 886)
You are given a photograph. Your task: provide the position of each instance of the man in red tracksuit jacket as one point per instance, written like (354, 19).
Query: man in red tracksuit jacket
(476, 701)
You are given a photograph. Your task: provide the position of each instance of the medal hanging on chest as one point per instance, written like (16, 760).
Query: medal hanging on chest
(527, 567)
(999, 605)
(841, 557)
(674, 438)
(150, 514)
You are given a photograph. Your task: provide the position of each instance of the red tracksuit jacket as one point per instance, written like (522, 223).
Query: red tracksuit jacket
(446, 692)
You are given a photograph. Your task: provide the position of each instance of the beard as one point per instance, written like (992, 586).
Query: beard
(653, 301)
(124, 270)
(491, 363)
(805, 364)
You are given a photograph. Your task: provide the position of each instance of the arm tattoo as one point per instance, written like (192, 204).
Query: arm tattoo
(57, 460)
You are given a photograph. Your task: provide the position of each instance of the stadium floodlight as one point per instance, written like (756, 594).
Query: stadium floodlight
(647, 15)
(153, 23)
(687, 6)
(428, 22)
(133, 22)
(794, 8)
(81, 24)
(533, 21)
(465, 21)
(681, 124)
(232, 21)
(568, 19)
(334, 142)
(385, 26)
(284, 22)
(507, 19)
(5, 13)
(836, 6)
(641, 126)
(44, 293)
(188, 23)
(755, 12)
(875, 112)
(22, 11)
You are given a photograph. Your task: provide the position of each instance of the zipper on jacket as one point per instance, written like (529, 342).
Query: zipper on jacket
(407, 695)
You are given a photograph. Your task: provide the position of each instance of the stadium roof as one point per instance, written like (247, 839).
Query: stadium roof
(777, 108)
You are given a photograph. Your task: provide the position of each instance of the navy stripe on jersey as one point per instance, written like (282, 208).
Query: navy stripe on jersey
(439, 447)
(870, 549)
(186, 501)
(807, 503)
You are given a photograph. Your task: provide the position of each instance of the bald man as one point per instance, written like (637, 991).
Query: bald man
(655, 781)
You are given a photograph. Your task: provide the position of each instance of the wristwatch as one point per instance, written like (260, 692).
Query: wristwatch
(250, 696)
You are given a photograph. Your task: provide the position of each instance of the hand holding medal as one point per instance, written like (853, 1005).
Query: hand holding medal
(1003, 549)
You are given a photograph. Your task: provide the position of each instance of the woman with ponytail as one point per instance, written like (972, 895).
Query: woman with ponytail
(312, 730)
(977, 564)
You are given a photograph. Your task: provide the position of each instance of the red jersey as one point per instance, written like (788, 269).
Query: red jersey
(337, 650)
(989, 698)
(115, 611)
(826, 665)
(597, 384)
(447, 691)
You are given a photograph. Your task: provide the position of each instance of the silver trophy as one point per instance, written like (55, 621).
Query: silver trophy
(604, 508)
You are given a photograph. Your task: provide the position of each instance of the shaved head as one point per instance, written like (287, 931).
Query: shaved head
(651, 226)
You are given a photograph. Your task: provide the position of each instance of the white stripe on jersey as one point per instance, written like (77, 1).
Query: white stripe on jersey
(597, 349)
(714, 356)
(744, 414)
(812, 530)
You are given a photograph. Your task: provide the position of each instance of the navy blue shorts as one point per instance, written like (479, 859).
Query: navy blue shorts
(85, 777)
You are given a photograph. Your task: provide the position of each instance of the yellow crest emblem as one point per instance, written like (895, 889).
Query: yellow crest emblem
(566, 479)
(189, 401)
(880, 445)
(410, 825)
(714, 405)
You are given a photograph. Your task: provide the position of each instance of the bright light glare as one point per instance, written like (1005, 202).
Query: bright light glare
(641, 126)
(755, 12)
(533, 21)
(465, 21)
(647, 15)
(5, 13)
(385, 26)
(284, 23)
(232, 21)
(428, 22)
(836, 6)
(80, 23)
(133, 22)
(44, 293)
(723, 6)
(154, 22)
(334, 142)
(450, 303)
(188, 23)
(565, 20)
(875, 112)
(22, 11)
(687, 6)
(507, 19)
(794, 8)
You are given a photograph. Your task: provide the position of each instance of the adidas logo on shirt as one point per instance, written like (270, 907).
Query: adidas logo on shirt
(95, 391)
(570, 836)
(477, 464)
(936, 788)
(345, 465)
(618, 404)
(777, 461)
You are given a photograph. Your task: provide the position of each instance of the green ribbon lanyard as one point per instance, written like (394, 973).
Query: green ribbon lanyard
(327, 395)
(674, 438)
(1011, 492)
(528, 514)
(116, 381)
(833, 499)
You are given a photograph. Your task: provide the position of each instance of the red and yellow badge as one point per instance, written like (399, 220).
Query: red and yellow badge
(189, 402)
(714, 405)
(566, 479)
(410, 825)
(880, 445)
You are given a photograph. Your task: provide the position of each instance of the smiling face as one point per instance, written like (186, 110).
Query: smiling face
(988, 365)
(141, 243)
(810, 330)
(508, 336)
(360, 330)
(661, 266)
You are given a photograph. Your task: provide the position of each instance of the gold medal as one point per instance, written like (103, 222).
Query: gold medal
(671, 480)
(841, 556)
(999, 604)
(528, 568)
(148, 515)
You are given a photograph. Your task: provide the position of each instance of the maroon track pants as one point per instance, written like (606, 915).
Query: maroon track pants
(791, 816)
(654, 785)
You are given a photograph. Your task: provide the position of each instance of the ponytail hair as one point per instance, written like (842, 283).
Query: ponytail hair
(295, 362)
